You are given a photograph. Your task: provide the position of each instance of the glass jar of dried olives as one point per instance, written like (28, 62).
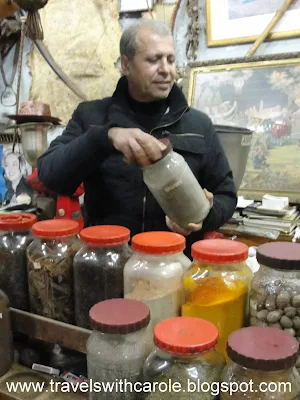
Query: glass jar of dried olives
(98, 268)
(15, 237)
(275, 288)
(50, 269)
(6, 337)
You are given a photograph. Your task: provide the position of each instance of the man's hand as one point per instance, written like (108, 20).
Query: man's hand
(137, 146)
(191, 227)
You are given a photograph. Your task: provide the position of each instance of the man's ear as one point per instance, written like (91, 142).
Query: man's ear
(125, 65)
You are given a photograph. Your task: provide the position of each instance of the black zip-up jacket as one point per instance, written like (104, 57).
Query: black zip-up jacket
(114, 191)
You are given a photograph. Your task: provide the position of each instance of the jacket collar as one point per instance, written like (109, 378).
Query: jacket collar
(177, 102)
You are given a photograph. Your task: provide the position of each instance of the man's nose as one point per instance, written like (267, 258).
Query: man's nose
(164, 67)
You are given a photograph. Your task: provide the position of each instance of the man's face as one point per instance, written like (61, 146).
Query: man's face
(151, 73)
(12, 167)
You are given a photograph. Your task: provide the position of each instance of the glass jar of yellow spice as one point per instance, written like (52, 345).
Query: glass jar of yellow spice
(217, 286)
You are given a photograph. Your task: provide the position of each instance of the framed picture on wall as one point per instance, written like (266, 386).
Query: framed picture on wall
(242, 21)
(261, 94)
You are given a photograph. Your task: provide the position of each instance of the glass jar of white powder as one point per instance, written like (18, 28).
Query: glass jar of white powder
(154, 274)
(117, 348)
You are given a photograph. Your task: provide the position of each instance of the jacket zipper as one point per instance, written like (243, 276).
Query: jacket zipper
(146, 189)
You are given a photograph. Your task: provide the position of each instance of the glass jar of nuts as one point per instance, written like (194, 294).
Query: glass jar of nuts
(275, 288)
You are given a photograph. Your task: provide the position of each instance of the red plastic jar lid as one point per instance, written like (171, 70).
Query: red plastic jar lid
(158, 242)
(219, 251)
(119, 316)
(54, 228)
(185, 335)
(279, 255)
(17, 221)
(105, 235)
(263, 348)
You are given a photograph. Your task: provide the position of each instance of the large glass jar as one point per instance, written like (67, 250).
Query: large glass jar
(15, 236)
(99, 267)
(50, 269)
(275, 288)
(262, 365)
(217, 286)
(176, 189)
(154, 274)
(117, 347)
(6, 338)
(184, 354)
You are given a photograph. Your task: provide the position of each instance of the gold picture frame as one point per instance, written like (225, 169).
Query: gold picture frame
(229, 25)
(261, 94)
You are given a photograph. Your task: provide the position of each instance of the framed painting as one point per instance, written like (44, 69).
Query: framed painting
(261, 94)
(242, 21)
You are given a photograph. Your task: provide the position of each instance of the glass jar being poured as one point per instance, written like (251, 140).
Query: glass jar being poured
(176, 189)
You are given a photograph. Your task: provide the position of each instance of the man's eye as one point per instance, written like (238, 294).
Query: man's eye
(152, 60)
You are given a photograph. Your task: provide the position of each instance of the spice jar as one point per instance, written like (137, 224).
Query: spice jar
(176, 189)
(262, 359)
(98, 268)
(275, 288)
(154, 274)
(184, 353)
(116, 349)
(15, 236)
(50, 269)
(6, 338)
(217, 286)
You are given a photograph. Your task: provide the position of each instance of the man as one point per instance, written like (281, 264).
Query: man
(106, 142)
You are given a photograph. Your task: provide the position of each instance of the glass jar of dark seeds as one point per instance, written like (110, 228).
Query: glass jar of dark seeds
(50, 269)
(98, 268)
(275, 288)
(15, 237)
(185, 355)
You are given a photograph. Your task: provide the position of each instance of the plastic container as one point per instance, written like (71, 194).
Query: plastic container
(15, 237)
(50, 269)
(154, 274)
(217, 286)
(98, 268)
(275, 288)
(266, 357)
(184, 354)
(176, 189)
(116, 349)
(6, 338)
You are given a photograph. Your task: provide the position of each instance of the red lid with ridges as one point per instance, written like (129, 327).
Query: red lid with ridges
(219, 251)
(17, 221)
(185, 335)
(119, 316)
(279, 255)
(158, 242)
(105, 235)
(53, 228)
(263, 348)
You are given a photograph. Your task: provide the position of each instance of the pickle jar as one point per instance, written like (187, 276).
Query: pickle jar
(116, 349)
(262, 365)
(275, 288)
(15, 237)
(50, 269)
(154, 274)
(6, 337)
(217, 286)
(184, 354)
(99, 267)
(176, 189)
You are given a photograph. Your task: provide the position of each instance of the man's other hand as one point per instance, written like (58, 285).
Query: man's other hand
(137, 146)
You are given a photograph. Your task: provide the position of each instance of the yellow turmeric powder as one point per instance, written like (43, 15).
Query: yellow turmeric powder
(220, 299)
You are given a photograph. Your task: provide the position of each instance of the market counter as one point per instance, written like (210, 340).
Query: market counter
(21, 374)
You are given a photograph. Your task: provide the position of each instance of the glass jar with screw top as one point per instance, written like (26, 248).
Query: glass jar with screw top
(98, 268)
(6, 337)
(275, 288)
(262, 365)
(50, 269)
(184, 354)
(15, 237)
(176, 189)
(116, 349)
